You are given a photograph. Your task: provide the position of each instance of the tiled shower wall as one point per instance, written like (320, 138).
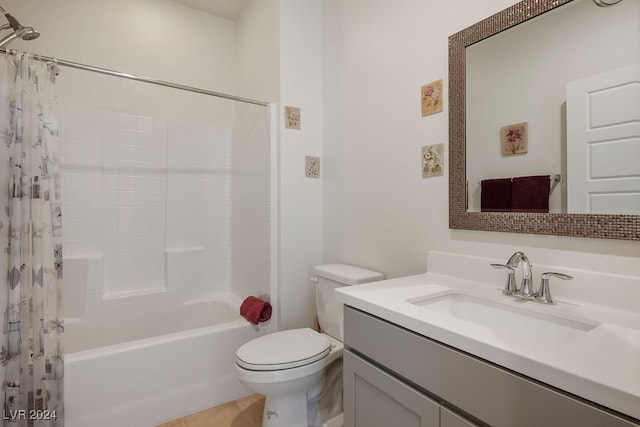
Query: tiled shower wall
(252, 232)
(147, 208)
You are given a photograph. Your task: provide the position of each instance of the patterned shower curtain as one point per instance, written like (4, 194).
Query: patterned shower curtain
(32, 351)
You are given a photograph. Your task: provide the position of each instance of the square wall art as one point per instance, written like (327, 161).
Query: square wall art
(433, 160)
(513, 139)
(312, 166)
(292, 117)
(431, 98)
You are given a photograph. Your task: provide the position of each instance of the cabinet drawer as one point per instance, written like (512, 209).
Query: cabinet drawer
(496, 396)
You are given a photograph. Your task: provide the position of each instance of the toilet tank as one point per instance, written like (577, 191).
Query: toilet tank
(329, 277)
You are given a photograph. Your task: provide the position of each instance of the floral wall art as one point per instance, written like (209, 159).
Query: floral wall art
(432, 160)
(292, 118)
(431, 98)
(513, 139)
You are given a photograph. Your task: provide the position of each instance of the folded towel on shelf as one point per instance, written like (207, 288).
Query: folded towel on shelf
(255, 310)
(495, 195)
(530, 194)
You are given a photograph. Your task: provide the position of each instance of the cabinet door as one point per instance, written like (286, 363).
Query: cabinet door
(373, 398)
(448, 418)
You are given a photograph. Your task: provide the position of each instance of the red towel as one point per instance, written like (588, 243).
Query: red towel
(495, 195)
(530, 193)
(255, 310)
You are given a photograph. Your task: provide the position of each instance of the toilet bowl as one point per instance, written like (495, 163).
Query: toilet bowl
(289, 367)
(286, 380)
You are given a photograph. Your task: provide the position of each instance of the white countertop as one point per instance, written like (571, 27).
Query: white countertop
(601, 365)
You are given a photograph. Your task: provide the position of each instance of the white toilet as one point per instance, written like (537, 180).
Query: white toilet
(289, 367)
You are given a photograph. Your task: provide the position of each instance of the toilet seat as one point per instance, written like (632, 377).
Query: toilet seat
(283, 350)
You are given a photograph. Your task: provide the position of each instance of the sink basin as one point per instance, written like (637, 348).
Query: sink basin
(507, 320)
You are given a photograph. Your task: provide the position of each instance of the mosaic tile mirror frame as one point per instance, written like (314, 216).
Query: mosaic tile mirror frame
(606, 226)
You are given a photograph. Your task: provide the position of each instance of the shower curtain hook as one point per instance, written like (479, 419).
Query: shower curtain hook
(54, 68)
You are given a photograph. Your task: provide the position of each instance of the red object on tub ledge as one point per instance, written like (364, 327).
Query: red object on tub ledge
(255, 310)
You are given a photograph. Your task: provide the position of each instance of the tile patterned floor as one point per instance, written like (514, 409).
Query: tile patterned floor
(244, 412)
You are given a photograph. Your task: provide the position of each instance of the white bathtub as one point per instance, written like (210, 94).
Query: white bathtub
(144, 382)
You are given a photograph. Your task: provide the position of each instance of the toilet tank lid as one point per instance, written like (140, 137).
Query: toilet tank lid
(347, 274)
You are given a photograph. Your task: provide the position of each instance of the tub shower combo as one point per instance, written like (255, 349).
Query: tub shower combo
(169, 222)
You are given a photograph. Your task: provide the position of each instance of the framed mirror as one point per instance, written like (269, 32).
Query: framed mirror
(561, 78)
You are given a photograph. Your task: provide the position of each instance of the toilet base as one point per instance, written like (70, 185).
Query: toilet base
(285, 411)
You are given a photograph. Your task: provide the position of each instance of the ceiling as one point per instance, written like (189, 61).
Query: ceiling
(229, 9)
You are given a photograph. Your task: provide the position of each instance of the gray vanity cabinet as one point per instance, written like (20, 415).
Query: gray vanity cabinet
(374, 398)
(395, 377)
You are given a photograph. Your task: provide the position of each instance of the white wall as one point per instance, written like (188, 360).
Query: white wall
(378, 211)
(258, 50)
(300, 197)
(156, 38)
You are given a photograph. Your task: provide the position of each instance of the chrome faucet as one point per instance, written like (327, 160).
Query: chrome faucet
(525, 291)
(517, 259)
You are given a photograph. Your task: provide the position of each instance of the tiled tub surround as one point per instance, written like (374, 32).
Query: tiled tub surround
(151, 308)
(253, 253)
(146, 201)
(600, 365)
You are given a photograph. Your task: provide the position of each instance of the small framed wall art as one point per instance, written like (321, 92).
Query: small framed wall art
(432, 160)
(312, 166)
(292, 117)
(513, 139)
(431, 98)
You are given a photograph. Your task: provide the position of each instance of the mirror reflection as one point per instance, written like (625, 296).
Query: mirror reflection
(553, 113)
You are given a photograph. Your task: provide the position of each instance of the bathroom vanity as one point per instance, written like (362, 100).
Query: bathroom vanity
(406, 379)
(415, 355)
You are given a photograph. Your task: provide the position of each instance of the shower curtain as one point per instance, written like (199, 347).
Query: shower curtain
(32, 351)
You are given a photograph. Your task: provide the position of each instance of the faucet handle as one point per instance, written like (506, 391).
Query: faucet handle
(544, 294)
(510, 286)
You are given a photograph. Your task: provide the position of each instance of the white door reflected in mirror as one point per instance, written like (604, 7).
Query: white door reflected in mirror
(603, 143)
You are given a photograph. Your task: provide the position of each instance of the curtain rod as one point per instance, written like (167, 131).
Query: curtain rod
(150, 80)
